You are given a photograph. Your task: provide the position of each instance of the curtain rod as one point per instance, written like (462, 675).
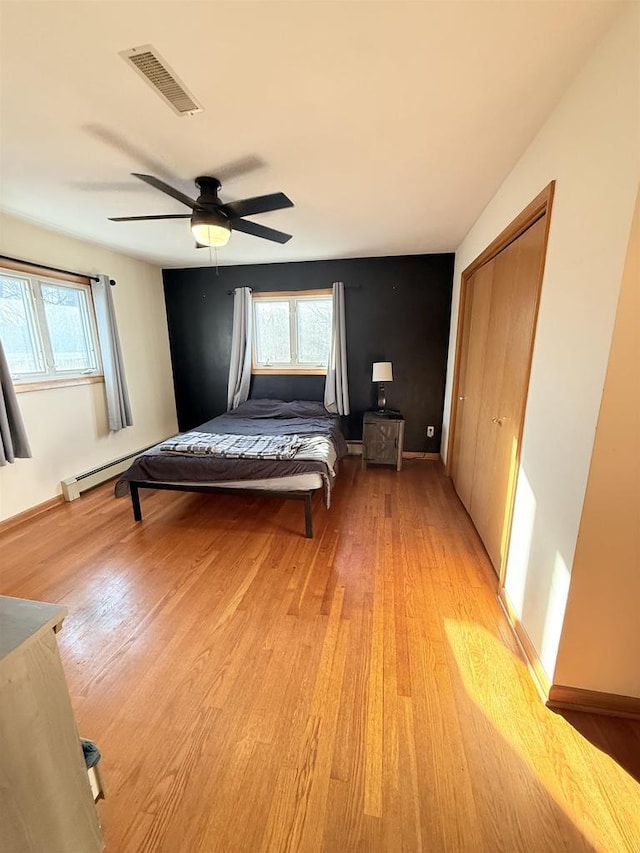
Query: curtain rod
(347, 286)
(54, 269)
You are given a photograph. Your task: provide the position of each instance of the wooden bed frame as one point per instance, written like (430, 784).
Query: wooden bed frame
(305, 496)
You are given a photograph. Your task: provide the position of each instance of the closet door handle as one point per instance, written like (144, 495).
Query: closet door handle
(494, 420)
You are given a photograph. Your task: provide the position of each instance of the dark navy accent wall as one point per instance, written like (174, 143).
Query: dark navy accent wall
(397, 309)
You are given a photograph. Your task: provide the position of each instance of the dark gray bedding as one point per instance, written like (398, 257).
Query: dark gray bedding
(255, 417)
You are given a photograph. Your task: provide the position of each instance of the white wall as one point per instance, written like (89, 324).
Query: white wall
(67, 427)
(591, 146)
(600, 644)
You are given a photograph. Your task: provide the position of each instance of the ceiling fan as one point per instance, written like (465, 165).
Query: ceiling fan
(211, 220)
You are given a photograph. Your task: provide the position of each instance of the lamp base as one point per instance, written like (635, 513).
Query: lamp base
(382, 400)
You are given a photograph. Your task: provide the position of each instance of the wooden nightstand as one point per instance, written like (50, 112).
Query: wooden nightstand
(382, 439)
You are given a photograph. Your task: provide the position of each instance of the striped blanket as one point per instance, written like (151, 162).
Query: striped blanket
(228, 446)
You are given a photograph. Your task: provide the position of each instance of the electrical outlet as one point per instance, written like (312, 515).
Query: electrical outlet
(430, 431)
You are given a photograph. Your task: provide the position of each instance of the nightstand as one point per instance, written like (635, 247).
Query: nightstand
(382, 439)
(46, 802)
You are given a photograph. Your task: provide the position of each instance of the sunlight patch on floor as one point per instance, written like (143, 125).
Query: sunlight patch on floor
(531, 739)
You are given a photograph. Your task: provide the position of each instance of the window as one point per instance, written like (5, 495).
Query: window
(47, 329)
(292, 332)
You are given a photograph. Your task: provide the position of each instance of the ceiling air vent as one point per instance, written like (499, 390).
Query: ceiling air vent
(151, 67)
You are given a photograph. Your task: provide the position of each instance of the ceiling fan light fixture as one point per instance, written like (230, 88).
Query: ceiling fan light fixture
(210, 228)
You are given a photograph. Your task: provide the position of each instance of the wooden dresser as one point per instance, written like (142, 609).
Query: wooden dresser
(46, 803)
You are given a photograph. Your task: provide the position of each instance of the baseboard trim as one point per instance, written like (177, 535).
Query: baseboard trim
(412, 454)
(562, 697)
(539, 676)
(30, 514)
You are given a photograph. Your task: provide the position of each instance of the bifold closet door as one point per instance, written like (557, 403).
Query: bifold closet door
(507, 361)
(491, 442)
(472, 359)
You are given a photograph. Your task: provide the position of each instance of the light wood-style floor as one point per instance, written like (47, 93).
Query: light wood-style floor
(255, 691)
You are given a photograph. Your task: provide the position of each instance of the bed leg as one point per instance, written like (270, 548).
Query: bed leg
(135, 502)
(308, 518)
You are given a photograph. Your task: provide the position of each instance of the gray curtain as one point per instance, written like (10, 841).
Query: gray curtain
(13, 437)
(115, 382)
(336, 388)
(240, 365)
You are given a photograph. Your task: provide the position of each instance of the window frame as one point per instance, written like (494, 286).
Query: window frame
(291, 297)
(35, 307)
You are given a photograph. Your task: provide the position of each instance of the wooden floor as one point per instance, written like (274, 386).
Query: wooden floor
(255, 691)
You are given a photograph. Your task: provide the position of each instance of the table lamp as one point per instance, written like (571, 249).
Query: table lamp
(382, 372)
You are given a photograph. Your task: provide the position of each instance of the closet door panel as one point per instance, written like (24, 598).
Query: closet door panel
(487, 492)
(507, 361)
(472, 358)
(525, 261)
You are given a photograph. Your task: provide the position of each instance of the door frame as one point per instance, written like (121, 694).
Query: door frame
(534, 211)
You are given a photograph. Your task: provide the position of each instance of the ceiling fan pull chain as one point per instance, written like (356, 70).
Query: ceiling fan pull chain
(215, 252)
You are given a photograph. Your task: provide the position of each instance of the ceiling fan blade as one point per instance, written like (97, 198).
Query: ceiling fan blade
(123, 146)
(259, 204)
(260, 231)
(237, 168)
(157, 184)
(143, 218)
(106, 186)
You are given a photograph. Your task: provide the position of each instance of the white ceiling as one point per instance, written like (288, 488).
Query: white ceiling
(390, 125)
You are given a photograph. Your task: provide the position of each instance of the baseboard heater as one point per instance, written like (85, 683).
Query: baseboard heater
(73, 487)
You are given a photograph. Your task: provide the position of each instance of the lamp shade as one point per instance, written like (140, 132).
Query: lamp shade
(382, 371)
(210, 228)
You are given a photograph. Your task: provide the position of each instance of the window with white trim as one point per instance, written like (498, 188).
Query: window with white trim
(47, 328)
(292, 332)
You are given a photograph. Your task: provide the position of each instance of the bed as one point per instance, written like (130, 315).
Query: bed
(264, 447)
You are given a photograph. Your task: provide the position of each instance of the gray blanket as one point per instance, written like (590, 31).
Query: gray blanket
(158, 465)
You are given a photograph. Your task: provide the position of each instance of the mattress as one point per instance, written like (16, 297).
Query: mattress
(292, 483)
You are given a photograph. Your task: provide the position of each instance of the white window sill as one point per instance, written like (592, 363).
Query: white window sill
(50, 384)
(289, 371)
